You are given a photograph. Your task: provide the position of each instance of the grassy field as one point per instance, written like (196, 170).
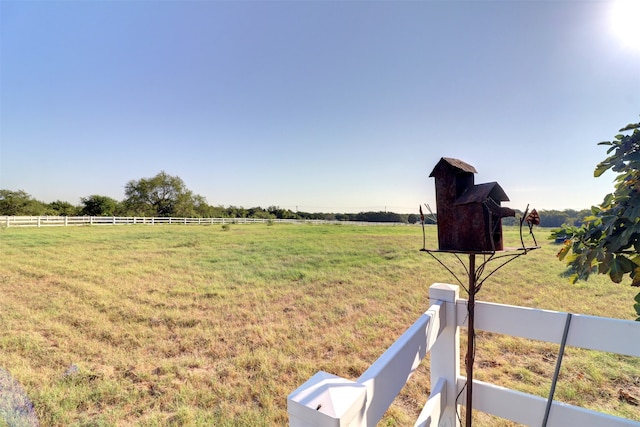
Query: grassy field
(196, 325)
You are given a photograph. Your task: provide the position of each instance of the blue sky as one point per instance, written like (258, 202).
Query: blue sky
(332, 106)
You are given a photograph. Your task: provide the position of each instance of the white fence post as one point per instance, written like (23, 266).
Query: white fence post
(327, 400)
(445, 353)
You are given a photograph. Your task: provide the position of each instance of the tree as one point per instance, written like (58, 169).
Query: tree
(413, 218)
(379, 216)
(200, 208)
(239, 212)
(280, 213)
(96, 205)
(162, 195)
(63, 208)
(262, 214)
(19, 203)
(554, 218)
(608, 241)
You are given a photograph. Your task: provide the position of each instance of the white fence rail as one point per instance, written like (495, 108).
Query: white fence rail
(51, 221)
(328, 400)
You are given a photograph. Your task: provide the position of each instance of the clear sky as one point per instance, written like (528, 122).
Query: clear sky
(331, 106)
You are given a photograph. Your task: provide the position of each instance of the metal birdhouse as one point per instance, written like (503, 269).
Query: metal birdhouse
(469, 215)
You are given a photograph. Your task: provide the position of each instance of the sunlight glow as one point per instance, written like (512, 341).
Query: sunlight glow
(625, 20)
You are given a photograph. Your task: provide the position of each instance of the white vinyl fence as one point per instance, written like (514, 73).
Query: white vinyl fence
(50, 221)
(328, 400)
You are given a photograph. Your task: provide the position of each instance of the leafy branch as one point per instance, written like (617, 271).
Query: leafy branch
(608, 241)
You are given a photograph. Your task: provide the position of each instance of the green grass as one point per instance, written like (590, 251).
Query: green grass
(196, 325)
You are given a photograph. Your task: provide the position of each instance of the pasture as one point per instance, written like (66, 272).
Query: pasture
(200, 325)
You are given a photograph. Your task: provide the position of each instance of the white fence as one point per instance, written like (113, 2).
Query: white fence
(328, 400)
(50, 221)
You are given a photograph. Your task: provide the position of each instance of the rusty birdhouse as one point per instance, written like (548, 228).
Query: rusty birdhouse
(469, 215)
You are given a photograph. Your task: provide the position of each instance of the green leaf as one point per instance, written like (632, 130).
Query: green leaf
(616, 276)
(603, 268)
(629, 127)
(632, 157)
(564, 250)
(636, 277)
(620, 266)
(600, 169)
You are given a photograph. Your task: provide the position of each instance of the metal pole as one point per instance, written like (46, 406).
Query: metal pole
(470, 335)
(557, 371)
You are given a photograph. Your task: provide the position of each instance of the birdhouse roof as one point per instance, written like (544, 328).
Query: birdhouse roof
(453, 163)
(481, 192)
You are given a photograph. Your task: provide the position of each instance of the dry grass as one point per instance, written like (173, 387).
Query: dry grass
(195, 325)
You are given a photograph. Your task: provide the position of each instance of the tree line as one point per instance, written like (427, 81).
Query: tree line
(553, 218)
(165, 195)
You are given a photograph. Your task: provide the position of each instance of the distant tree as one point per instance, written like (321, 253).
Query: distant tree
(572, 213)
(216, 212)
(239, 212)
(161, 195)
(608, 241)
(574, 217)
(319, 215)
(189, 205)
(255, 212)
(63, 208)
(97, 205)
(199, 208)
(554, 218)
(19, 203)
(379, 216)
(277, 212)
(413, 218)
(345, 217)
(262, 214)
(315, 215)
(579, 217)
(510, 221)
